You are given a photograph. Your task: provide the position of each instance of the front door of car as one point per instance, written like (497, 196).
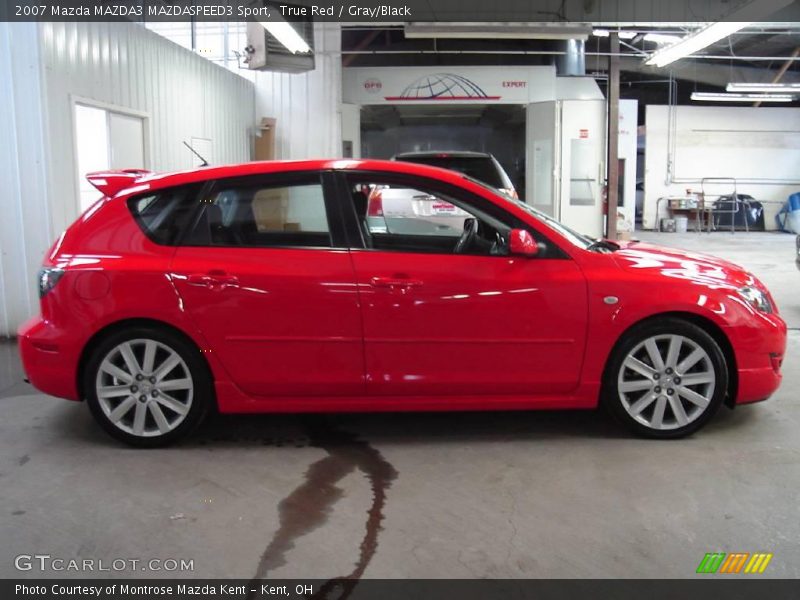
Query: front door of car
(267, 281)
(479, 322)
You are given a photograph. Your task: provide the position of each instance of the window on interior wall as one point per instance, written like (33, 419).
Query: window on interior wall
(105, 139)
(180, 33)
(220, 42)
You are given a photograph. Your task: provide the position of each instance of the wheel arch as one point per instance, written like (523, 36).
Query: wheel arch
(704, 323)
(123, 324)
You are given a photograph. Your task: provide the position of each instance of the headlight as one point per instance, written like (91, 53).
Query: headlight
(756, 298)
(48, 278)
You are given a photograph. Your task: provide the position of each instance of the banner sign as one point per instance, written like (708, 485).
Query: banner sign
(455, 85)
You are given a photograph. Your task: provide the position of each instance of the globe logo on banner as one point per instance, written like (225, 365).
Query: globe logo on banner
(442, 86)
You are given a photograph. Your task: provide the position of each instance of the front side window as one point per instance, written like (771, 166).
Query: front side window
(575, 238)
(263, 214)
(411, 218)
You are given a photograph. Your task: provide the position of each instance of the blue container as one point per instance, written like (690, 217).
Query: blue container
(788, 218)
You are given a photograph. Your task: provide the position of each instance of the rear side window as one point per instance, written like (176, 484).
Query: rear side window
(163, 214)
(481, 168)
(263, 213)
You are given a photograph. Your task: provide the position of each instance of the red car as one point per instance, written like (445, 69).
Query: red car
(262, 288)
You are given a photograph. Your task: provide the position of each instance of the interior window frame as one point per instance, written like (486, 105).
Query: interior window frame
(355, 234)
(326, 180)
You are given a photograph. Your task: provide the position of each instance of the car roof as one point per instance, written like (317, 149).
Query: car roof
(142, 182)
(442, 154)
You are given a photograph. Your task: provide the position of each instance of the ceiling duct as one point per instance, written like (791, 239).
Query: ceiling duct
(573, 62)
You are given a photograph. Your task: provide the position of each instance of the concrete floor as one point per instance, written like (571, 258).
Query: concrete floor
(560, 494)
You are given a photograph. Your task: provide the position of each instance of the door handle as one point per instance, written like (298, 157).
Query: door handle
(392, 282)
(216, 281)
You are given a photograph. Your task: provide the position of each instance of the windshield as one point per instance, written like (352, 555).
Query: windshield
(577, 239)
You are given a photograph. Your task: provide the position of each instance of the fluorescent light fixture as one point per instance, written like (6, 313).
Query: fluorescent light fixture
(661, 38)
(723, 97)
(746, 13)
(770, 88)
(287, 35)
(522, 31)
(694, 42)
(623, 34)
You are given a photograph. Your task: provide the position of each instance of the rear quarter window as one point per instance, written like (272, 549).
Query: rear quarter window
(164, 214)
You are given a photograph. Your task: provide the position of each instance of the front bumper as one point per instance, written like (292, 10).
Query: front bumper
(759, 351)
(49, 362)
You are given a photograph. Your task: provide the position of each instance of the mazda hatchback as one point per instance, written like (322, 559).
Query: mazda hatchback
(265, 287)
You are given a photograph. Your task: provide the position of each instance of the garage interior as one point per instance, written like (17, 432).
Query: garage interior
(552, 494)
(498, 130)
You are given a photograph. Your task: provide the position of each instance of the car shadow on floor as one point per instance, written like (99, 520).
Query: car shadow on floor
(301, 430)
(287, 430)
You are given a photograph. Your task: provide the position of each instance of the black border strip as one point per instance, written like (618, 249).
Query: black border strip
(383, 11)
(741, 587)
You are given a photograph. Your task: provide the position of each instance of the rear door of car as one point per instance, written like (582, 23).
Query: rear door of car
(266, 275)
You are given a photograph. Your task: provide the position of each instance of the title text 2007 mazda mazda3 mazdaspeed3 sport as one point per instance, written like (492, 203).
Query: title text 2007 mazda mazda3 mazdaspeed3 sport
(265, 287)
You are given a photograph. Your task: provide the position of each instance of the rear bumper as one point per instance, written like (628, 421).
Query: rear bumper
(49, 362)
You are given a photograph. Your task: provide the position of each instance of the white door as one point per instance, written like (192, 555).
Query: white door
(541, 189)
(628, 150)
(582, 168)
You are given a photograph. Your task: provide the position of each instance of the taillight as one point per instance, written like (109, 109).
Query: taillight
(375, 205)
(48, 278)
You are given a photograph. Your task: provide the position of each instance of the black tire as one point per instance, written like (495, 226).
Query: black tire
(618, 404)
(193, 368)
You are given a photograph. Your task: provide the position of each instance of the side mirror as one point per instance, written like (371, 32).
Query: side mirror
(521, 243)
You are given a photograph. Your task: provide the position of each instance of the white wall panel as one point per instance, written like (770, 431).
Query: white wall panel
(351, 127)
(306, 105)
(758, 146)
(44, 69)
(25, 232)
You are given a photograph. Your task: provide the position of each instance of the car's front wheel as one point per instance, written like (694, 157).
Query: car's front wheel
(666, 379)
(147, 386)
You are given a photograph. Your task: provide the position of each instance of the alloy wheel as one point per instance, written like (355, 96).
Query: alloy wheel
(666, 382)
(144, 387)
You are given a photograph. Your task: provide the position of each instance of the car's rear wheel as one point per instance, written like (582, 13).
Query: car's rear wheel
(147, 386)
(666, 379)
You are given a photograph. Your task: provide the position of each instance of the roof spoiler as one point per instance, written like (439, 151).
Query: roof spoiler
(111, 182)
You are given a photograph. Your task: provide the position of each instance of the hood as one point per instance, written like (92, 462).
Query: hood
(679, 264)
